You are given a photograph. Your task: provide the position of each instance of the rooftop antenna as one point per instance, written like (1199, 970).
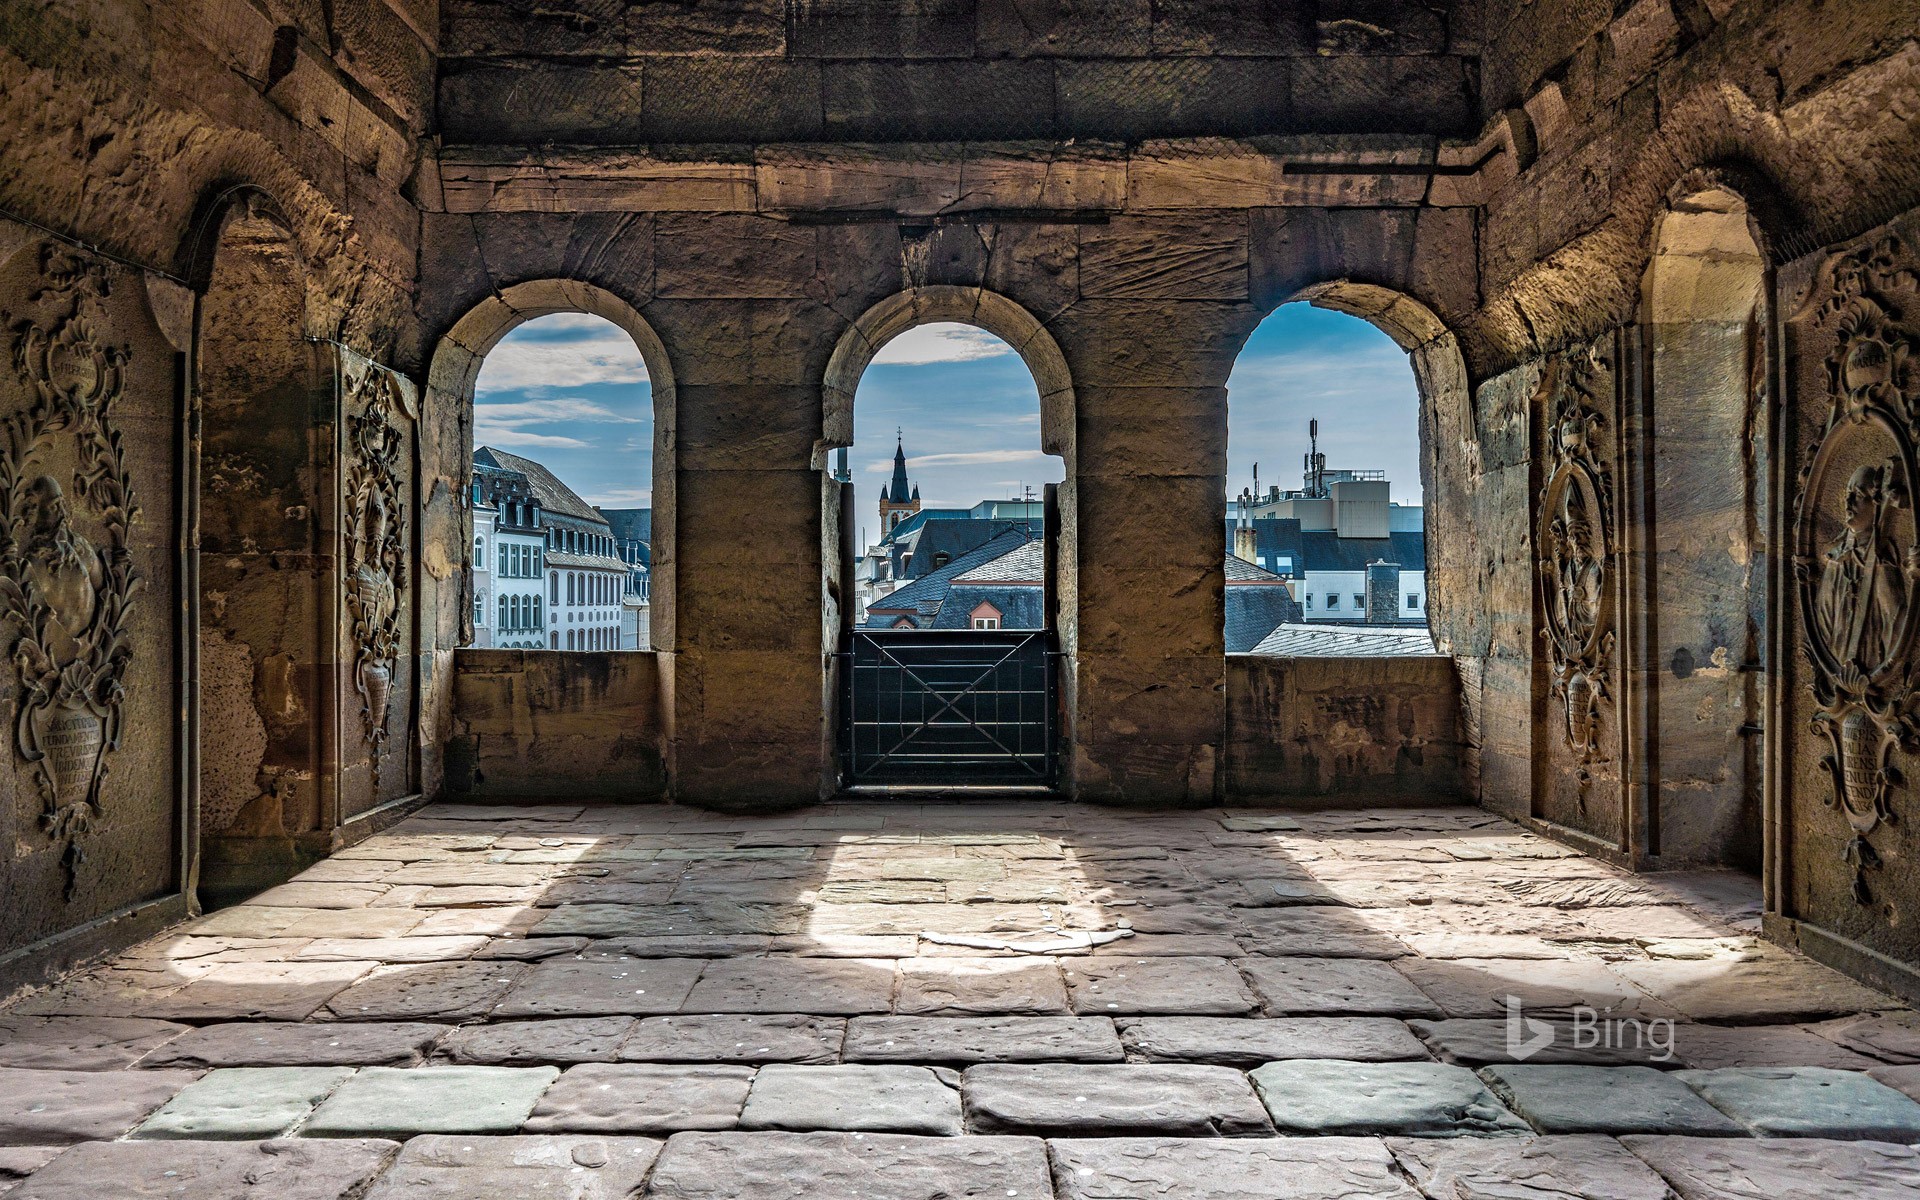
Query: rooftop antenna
(1316, 462)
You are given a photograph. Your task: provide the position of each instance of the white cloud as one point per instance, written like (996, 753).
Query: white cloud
(941, 343)
(544, 412)
(516, 365)
(973, 457)
(623, 498)
(487, 435)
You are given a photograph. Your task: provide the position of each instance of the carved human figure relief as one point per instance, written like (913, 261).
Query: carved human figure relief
(1575, 539)
(1857, 550)
(66, 574)
(376, 560)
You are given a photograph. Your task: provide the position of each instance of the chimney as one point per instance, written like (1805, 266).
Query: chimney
(1383, 593)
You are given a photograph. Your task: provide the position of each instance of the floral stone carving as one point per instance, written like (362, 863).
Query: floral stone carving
(376, 559)
(1857, 549)
(67, 578)
(1575, 538)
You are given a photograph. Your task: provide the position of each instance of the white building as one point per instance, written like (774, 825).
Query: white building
(509, 549)
(1325, 538)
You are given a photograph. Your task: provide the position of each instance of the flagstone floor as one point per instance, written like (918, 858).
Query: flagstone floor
(922, 1002)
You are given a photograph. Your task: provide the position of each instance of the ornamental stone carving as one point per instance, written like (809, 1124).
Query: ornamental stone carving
(1857, 549)
(1575, 537)
(376, 560)
(67, 578)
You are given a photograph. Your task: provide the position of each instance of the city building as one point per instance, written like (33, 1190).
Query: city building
(632, 530)
(586, 579)
(509, 557)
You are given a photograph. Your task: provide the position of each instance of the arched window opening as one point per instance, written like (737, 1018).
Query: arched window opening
(1325, 516)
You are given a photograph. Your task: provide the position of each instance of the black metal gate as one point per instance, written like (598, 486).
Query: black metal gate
(948, 708)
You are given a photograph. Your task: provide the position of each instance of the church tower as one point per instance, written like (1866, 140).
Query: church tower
(897, 501)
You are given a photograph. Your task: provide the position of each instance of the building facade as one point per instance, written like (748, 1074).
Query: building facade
(509, 553)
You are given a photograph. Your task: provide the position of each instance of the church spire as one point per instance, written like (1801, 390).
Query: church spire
(898, 500)
(898, 491)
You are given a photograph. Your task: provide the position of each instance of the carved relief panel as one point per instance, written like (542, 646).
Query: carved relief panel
(1853, 714)
(1576, 545)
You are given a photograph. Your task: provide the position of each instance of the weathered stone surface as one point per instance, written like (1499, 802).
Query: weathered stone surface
(1535, 1168)
(406, 1101)
(446, 990)
(962, 1040)
(567, 1040)
(636, 1098)
(43, 1108)
(968, 986)
(651, 920)
(1118, 986)
(1559, 1098)
(81, 1043)
(1320, 931)
(882, 1166)
(1322, 1096)
(242, 1103)
(1069, 1100)
(18, 1162)
(1143, 1168)
(283, 1044)
(1479, 987)
(1303, 986)
(1891, 1037)
(268, 991)
(1709, 1047)
(1777, 988)
(1781, 1169)
(1476, 1041)
(601, 985)
(286, 1170)
(1815, 1102)
(1238, 1042)
(854, 1099)
(1905, 1080)
(442, 1167)
(727, 1038)
(785, 985)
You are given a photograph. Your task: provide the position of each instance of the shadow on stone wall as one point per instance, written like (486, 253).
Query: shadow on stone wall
(550, 723)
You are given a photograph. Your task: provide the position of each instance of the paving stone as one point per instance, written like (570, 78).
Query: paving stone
(741, 1038)
(1480, 987)
(727, 945)
(1781, 988)
(829, 986)
(1780, 1169)
(1891, 1037)
(210, 1170)
(1335, 986)
(601, 985)
(261, 991)
(652, 920)
(284, 1044)
(531, 949)
(1573, 1167)
(1144, 1168)
(1809, 1102)
(1156, 985)
(568, 1040)
(407, 1100)
(1189, 945)
(1482, 1041)
(452, 991)
(641, 1098)
(971, 986)
(981, 1039)
(18, 1162)
(321, 895)
(244, 1103)
(442, 1167)
(1250, 1041)
(1560, 1098)
(1066, 1100)
(1322, 1096)
(1905, 1080)
(392, 949)
(1320, 931)
(81, 1043)
(874, 1166)
(353, 922)
(894, 1099)
(1710, 1047)
(46, 1108)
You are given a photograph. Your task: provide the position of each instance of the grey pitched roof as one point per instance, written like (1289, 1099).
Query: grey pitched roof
(1239, 570)
(1308, 640)
(922, 597)
(956, 536)
(1022, 564)
(1253, 611)
(1324, 550)
(554, 496)
(636, 523)
(1021, 605)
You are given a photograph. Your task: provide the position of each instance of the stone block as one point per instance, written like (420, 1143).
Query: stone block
(1467, 987)
(1777, 988)
(241, 1103)
(284, 1044)
(1153, 431)
(726, 99)
(1342, 94)
(785, 985)
(1891, 1037)
(407, 1100)
(602, 986)
(863, 1099)
(636, 1098)
(441, 1167)
(1069, 1100)
(1780, 1169)
(1126, 1168)
(1535, 1168)
(962, 1040)
(875, 1166)
(964, 986)
(1131, 986)
(627, 921)
(1248, 1042)
(1816, 1102)
(747, 1038)
(81, 1043)
(862, 29)
(165, 1170)
(1231, 27)
(1478, 1042)
(1138, 99)
(1709, 1047)
(1319, 931)
(1335, 987)
(521, 1043)
(957, 100)
(731, 27)
(446, 990)
(46, 1108)
(731, 257)
(1560, 1098)
(1323, 1096)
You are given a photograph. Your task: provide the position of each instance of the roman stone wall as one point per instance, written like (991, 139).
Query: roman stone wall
(541, 724)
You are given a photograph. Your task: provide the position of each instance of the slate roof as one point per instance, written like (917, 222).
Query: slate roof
(909, 526)
(592, 562)
(921, 598)
(954, 537)
(554, 496)
(1257, 600)
(1023, 564)
(1345, 641)
(1239, 570)
(1325, 550)
(1021, 605)
(636, 523)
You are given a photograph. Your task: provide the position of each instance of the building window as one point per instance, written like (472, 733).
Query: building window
(479, 613)
(503, 613)
(1309, 602)
(536, 613)
(1359, 602)
(1333, 601)
(986, 622)
(555, 644)
(1413, 602)
(553, 587)
(985, 616)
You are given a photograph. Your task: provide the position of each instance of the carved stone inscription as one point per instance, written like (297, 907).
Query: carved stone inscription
(1857, 548)
(376, 559)
(1575, 538)
(67, 577)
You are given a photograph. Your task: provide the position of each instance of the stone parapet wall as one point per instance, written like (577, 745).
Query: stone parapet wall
(1344, 731)
(545, 723)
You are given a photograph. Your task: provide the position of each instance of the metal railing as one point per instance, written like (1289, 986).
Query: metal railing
(948, 708)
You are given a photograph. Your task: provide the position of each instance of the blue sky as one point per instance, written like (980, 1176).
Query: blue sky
(571, 391)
